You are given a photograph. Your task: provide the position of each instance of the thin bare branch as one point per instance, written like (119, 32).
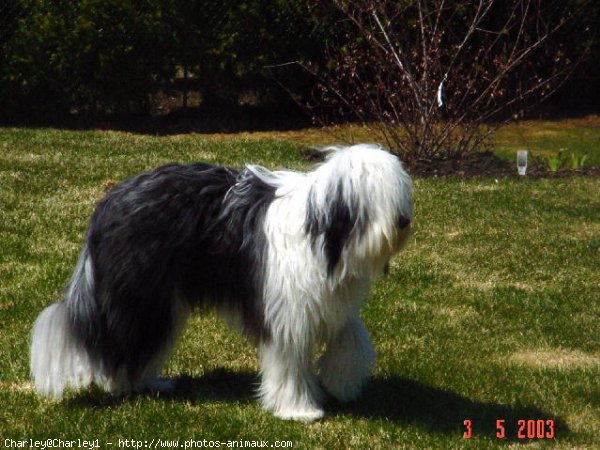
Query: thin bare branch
(403, 67)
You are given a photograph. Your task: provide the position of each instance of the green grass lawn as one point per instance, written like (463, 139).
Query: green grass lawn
(491, 313)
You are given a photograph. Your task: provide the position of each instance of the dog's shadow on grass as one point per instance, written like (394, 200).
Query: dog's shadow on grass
(219, 384)
(406, 401)
(393, 399)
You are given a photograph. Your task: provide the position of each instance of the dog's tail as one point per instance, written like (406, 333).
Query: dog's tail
(59, 358)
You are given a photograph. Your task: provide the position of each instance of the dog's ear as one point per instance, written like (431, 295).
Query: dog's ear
(331, 219)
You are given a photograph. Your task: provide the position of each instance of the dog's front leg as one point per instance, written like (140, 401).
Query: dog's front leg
(347, 361)
(289, 388)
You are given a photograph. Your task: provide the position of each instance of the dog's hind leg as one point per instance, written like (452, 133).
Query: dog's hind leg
(347, 361)
(149, 378)
(289, 389)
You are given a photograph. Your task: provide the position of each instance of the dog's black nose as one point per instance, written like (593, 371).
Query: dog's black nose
(403, 222)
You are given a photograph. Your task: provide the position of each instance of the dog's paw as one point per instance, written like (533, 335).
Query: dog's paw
(341, 380)
(300, 415)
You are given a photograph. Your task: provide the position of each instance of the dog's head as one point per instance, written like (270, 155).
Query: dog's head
(359, 208)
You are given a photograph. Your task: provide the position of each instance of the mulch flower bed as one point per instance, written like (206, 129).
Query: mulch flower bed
(482, 165)
(488, 165)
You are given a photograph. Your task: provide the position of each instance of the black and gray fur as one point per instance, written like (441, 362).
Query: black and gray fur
(187, 232)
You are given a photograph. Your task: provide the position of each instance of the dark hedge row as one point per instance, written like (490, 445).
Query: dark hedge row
(97, 56)
(59, 57)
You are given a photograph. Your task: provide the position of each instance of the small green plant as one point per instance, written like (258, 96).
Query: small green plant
(577, 159)
(574, 160)
(556, 162)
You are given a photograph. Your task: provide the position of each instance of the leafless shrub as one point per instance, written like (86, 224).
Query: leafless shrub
(436, 77)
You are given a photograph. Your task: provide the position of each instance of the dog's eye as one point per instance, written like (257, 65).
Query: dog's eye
(403, 222)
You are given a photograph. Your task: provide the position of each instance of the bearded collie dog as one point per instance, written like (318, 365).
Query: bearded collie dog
(285, 257)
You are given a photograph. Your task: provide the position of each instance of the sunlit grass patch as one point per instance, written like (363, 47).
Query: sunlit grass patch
(559, 358)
